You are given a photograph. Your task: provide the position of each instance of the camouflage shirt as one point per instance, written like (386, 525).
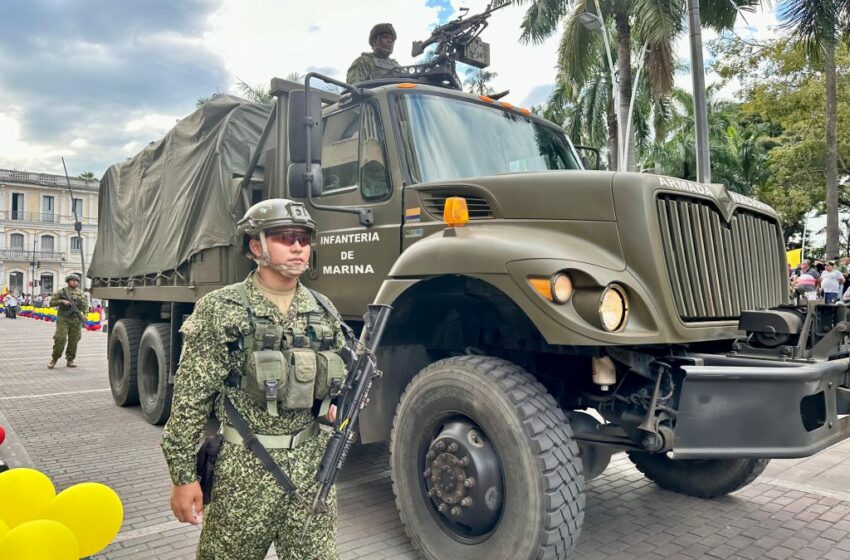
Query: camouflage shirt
(66, 312)
(369, 66)
(220, 318)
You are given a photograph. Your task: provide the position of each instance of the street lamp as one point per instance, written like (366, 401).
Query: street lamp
(595, 22)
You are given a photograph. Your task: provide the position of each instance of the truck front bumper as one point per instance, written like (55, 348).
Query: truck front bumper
(740, 407)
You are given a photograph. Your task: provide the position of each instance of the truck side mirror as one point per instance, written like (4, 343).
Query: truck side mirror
(304, 107)
(298, 184)
(591, 158)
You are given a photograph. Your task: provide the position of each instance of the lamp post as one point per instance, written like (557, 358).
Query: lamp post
(698, 80)
(595, 22)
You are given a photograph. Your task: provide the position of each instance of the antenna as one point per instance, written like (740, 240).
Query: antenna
(78, 227)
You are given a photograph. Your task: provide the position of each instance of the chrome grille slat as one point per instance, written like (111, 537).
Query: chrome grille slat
(719, 268)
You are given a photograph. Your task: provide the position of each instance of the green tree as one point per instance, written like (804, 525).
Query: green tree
(654, 23)
(818, 27)
(88, 176)
(478, 81)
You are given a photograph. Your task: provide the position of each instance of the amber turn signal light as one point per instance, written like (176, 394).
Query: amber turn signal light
(455, 212)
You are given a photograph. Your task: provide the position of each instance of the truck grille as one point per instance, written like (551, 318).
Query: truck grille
(717, 269)
(435, 201)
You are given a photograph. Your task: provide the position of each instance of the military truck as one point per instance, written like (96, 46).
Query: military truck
(545, 316)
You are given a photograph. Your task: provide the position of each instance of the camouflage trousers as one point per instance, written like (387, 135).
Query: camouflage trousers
(249, 510)
(69, 331)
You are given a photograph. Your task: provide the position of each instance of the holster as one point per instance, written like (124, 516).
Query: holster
(205, 465)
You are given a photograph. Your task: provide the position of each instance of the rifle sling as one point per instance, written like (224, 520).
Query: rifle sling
(254, 446)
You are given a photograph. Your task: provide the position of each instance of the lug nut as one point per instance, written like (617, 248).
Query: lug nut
(469, 482)
(439, 494)
(455, 461)
(431, 456)
(464, 462)
(466, 502)
(442, 508)
(427, 473)
(432, 493)
(455, 512)
(453, 447)
(439, 446)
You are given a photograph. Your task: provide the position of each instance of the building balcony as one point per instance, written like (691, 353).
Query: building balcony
(29, 256)
(22, 218)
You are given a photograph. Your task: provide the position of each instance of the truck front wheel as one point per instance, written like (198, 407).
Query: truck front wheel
(122, 352)
(484, 464)
(702, 478)
(154, 369)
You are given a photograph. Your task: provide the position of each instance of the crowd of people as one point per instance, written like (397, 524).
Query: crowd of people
(827, 279)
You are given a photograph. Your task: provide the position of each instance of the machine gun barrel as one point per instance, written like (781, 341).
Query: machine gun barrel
(452, 29)
(353, 398)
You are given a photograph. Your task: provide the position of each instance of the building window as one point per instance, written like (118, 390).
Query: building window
(76, 244)
(17, 206)
(47, 245)
(46, 283)
(48, 209)
(16, 241)
(16, 283)
(77, 208)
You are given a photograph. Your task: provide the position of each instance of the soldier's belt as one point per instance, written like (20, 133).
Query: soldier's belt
(288, 441)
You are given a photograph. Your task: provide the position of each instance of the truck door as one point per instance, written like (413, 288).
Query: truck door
(349, 261)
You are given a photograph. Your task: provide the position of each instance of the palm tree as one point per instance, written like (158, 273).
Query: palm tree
(654, 23)
(478, 81)
(88, 176)
(818, 26)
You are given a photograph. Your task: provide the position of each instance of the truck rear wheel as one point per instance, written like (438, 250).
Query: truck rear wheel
(154, 368)
(122, 351)
(484, 464)
(701, 478)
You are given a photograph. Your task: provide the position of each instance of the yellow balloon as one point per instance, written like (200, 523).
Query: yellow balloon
(3, 528)
(23, 494)
(39, 540)
(92, 511)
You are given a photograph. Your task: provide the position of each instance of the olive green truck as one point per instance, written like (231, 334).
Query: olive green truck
(551, 317)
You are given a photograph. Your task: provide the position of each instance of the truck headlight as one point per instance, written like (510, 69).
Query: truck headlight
(557, 288)
(613, 308)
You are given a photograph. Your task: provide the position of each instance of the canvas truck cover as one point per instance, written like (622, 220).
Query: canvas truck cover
(176, 197)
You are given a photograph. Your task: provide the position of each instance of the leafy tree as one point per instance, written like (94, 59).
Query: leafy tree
(256, 93)
(478, 81)
(654, 23)
(88, 176)
(818, 26)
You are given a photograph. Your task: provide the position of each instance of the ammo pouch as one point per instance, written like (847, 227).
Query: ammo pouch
(205, 464)
(330, 374)
(301, 377)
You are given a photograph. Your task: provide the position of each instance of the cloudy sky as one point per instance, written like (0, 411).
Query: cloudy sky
(95, 80)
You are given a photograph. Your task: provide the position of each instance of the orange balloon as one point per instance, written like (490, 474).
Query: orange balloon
(23, 494)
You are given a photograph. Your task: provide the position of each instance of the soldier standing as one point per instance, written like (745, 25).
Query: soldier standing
(71, 305)
(376, 64)
(262, 346)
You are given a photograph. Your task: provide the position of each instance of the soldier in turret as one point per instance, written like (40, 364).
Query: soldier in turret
(376, 64)
(71, 305)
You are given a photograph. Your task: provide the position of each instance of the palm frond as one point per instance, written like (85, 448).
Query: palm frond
(541, 19)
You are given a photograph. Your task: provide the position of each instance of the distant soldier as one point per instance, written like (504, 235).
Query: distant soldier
(71, 305)
(376, 64)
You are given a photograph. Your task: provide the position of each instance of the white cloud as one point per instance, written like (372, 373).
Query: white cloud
(79, 143)
(18, 154)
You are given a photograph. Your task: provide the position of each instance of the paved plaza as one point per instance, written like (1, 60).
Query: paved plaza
(64, 423)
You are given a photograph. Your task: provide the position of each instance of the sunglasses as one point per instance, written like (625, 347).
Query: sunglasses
(289, 238)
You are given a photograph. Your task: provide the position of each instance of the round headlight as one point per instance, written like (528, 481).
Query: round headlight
(613, 308)
(562, 288)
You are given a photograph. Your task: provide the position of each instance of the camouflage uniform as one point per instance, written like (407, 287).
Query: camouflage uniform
(69, 324)
(248, 510)
(369, 66)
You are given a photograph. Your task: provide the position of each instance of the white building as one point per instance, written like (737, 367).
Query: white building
(38, 242)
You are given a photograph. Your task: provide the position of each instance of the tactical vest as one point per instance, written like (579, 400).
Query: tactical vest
(287, 367)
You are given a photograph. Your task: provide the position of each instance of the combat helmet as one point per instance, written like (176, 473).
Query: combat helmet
(381, 28)
(72, 277)
(269, 214)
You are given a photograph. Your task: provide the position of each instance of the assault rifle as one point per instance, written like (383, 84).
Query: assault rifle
(457, 41)
(352, 398)
(74, 306)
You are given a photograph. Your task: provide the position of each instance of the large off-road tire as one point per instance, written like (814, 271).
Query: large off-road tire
(122, 351)
(154, 367)
(703, 478)
(483, 429)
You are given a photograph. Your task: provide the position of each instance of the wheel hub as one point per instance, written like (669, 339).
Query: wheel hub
(463, 479)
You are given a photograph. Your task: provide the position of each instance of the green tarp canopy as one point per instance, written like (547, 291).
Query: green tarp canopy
(176, 197)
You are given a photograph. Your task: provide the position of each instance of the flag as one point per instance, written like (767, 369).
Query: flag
(4, 291)
(794, 257)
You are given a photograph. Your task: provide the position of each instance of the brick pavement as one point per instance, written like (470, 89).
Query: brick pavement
(64, 423)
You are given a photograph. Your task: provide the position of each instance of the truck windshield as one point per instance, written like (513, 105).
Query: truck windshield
(445, 138)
